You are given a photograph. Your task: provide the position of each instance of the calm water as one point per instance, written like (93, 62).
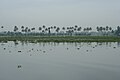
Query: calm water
(59, 61)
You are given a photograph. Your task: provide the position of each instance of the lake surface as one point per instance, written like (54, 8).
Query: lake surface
(59, 61)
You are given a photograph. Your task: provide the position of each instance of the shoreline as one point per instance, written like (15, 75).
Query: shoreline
(61, 38)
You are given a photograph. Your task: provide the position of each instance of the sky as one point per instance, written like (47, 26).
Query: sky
(35, 13)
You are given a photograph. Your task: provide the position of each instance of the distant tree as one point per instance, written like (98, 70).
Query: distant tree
(26, 29)
(98, 29)
(79, 29)
(118, 28)
(110, 28)
(2, 26)
(51, 27)
(90, 29)
(101, 28)
(43, 26)
(43, 31)
(40, 28)
(117, 32)
(55, 27)
(33, 29)
(63, 28)
(84, 29)
(76, 26)
(22, 27)
(107, 28)
(57, 30)
(15, 28)
(29, 30)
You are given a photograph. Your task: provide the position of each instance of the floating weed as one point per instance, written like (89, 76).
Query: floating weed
(19, 51)
(93, 47)
(78, 48)
(114, 47)
(19, 66)
(86, 50)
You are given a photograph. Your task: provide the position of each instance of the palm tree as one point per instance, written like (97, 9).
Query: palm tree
(90, 29)
(40, 28)
(110, 28)
(43, 31)
(26, 29)
(57, 30)
(98, 29)
(87, 29)
(51, 27)
(76, 26)
(29, 30)
(101, 28)
(118, 31)
(15, 28)
(55, 27)
(79, 29)
(63, 28)
(32, 29)
(84, 29)
(107, 28)
(22, 27)
(2, 26)
(43, 26)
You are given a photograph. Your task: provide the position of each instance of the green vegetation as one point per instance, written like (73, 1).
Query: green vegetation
(61, 39)
(57, 34)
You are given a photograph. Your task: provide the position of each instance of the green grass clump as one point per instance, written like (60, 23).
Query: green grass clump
(61, 38)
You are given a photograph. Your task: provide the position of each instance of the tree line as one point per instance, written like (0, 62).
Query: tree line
(54, 30)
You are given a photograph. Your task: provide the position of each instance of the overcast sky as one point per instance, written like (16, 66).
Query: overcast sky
(35, 13)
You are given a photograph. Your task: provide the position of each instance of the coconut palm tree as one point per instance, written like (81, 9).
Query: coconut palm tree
(98, 29)
(101, 28)
(51, 27)
(2, 26)
(40, 28)
(110, 28)
(55, 27)
(15, 29)
(29, 30)
(33, 29)
(76, 26)
(26, 29)
(63, 28)
(58, 29)
(44, 26)
(107, 28)
(22, 29)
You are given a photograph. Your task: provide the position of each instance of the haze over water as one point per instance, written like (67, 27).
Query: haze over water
(59, 61)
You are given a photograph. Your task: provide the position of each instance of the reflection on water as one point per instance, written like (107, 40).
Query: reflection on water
(59, 61)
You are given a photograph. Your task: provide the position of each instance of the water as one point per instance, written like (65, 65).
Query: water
(59, 61)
